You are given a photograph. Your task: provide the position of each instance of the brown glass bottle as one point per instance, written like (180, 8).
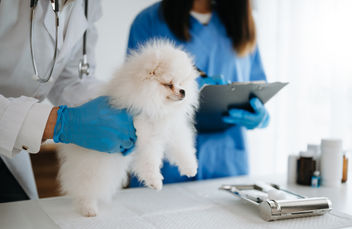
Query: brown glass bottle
(306, 166)
(344, 168)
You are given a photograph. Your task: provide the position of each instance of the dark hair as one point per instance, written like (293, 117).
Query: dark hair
(236, 15)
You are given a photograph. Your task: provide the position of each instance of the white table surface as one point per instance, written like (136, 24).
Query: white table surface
(187, 205)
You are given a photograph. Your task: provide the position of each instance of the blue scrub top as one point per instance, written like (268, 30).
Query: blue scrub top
(219, 154)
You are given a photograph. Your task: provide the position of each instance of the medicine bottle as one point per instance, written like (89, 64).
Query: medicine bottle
(306, 166)
(316, 179)
(344, 167)
(331, 162)
(292, 169)
(316, 154)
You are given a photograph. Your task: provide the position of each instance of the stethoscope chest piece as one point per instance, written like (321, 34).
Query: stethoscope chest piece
(83, 67)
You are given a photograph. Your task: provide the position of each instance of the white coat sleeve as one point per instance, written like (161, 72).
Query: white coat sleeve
(68, 88)
(22, 123)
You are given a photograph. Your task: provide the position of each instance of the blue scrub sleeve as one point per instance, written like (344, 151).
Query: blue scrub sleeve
(257, 70)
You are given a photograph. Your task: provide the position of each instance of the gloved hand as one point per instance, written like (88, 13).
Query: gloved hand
(259, 119)
(96, 125)
(212, 80)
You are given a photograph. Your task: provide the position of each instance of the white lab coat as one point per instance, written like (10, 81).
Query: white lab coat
(22, 117)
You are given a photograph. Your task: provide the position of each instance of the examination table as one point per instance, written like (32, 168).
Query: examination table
(186, 205)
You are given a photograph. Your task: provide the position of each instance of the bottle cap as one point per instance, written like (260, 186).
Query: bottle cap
(316, 173)
(331, 143)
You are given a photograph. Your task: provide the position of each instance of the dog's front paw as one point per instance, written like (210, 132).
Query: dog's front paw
(189, 170)
(88, 208)
(154, 181)
(148, 173)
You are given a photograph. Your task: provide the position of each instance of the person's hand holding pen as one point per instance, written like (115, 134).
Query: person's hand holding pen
(205, 79)
(211, 80)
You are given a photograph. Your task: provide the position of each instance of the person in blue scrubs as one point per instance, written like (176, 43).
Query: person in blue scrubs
(224, 46)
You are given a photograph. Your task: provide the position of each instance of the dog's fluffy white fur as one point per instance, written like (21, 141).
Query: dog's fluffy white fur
(157, 86)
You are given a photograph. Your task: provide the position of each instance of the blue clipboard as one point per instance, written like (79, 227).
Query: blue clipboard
(215, 100)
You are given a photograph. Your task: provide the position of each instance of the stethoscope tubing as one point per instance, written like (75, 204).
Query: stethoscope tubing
(83, 68)
(36, 73)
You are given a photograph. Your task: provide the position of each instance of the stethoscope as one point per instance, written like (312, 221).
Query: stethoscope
(83, 67)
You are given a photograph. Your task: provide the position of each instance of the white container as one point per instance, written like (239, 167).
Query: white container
(331, 162)
(316, 154)
(292, 169)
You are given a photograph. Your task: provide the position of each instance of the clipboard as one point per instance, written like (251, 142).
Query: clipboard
(215, 100)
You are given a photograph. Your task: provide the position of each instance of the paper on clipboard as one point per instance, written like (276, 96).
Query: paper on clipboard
(215, 100)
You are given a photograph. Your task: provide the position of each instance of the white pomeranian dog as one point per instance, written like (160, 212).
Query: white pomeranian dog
(157, 86)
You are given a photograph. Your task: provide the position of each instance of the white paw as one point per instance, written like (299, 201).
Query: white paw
(154, 183)
(148, 173)
(87, 208)
(189, 170)
(153, 180)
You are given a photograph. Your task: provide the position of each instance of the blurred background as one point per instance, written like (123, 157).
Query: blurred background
(307, 43)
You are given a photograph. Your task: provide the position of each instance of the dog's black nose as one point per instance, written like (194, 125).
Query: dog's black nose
(182, 92)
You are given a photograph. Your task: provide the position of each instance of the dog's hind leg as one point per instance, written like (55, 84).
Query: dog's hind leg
(89, 176)
(87, 207)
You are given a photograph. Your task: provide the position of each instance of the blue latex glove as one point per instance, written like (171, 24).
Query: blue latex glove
(259, 119)
(212, 80)
(96, 125)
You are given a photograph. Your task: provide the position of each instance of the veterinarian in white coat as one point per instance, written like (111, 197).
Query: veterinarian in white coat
(22, 118)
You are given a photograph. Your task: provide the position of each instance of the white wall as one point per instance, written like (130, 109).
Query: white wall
(307, 43)
(113, 29)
